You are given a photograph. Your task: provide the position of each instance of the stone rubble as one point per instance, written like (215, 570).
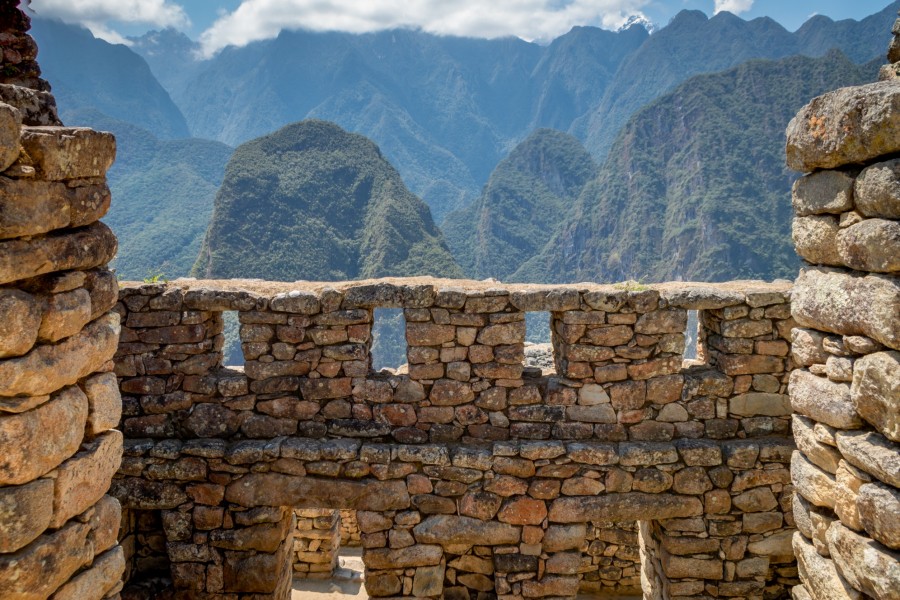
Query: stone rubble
(846, 390)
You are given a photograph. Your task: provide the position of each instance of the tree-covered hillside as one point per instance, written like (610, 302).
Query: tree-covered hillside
(526, 197)
(695, 186)
(312, 201)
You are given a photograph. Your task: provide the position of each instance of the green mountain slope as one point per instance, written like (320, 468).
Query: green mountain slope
(90, 74)
(693, 44)
(526, 197)
(163, 192)
(314, 202)
(695, 186)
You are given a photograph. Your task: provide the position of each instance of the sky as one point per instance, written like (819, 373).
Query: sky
(219, 23)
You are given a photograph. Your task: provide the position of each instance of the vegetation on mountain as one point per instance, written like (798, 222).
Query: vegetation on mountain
(695, 186)
(314, 202)
(524, 200)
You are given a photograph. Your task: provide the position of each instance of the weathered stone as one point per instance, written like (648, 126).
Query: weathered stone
(447, 392)
(879, 513)
(823, 192)
(383, 584)
(523, 510)
(35, 442)
(776, 545)
(21, 319)
(36, 571)
(419, 555)
(847, 126)
(429, 581)
(815, 238)
(823, 456)
(819, 574)
(31, 207)
(60, 153)
(454, 530)
(872, 453)
(10, 122)
(65, 315)
(47, 368)
(679, 567)
(24, 513)
(276, 489)
(143, 494)
(760, 404)
(877, 190)
(323, 388)
(830, 300)
(755, 500)
(876, 391)
(623, 507)
(817, 486)
(549, 585)
(866, 565)
(823, 400)
(104, 573)
(83, 479)
(870, 245)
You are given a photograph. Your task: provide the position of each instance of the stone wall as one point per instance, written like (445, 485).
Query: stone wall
(846, 389)
(59, 400)
(471, 473)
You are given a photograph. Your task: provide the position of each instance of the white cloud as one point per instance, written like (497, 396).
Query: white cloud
(257, 20)
(734, 6)
(97, 14)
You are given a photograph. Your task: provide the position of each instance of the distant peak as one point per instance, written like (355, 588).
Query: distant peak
(639, 21)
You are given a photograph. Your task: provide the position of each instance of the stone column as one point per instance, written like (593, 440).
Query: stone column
(59, 402)
(846, 390)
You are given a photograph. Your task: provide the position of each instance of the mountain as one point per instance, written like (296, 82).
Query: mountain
(163, 192)
(90, 74)
(693, 44)
(526, 196)
(443, 109)
(695, 186)
(312, 201)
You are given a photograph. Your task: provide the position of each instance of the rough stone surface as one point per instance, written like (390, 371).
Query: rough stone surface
(823, 400)
(879, 512)
(876, 392)
(870, 245)
(820, 575)
(866, 565)
(24, 513)
(872, 453)
(823, 192)
(815, 238)
(847, 126)
(83, 479)
(877, 190)
(61, 153)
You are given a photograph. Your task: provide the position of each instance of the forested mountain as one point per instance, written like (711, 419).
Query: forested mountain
(695, 186)
(527, 196)
(693, 44)
(312, 201)
(90, 74)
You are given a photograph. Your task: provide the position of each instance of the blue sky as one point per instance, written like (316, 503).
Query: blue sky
(217, 23)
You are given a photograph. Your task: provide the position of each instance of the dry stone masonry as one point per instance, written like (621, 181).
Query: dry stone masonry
(59, 399)
(846, 389)
(471, 474)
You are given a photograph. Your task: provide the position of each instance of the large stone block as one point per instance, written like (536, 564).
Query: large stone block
(83, 479)
(806, 347)
(848, 126)
(39, 569)
(276, 489)
(21, 318)
(866, 565)
(65, 314)
(451, 530)
(819, 574)
(823, 456)
(877, 190)
(35, 442)
(875, 392)
(823, 192)
(632, 506)
(24, 513)
(104, 402)
(754, 404)
(848, 304)
(60, 153)
(31, 207)
(815, 239)
(814, 484)
(83, 248)
(823, 400)
(47, 368)
(879, 513)
(872, 453)
(870, 245)
(37, 107)
(104, 573)
(417, 555)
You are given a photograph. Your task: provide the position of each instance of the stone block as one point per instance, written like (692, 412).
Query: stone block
(83, 479)
(847, 126)
(21, 320)
(47, 368)
(450, 530)
(823, 400)
(760, 404)
(10, 123)
(817, 486)
(64, 315)
(872, 453)
(876, 190)
(40, 568)
(871, 245)
(419, 555)
(815, 239)
(61, 153)
(623, 507)
(35, 442)
(276, 489)
(24, 513)
(103, 575)
(32, 207)
(875, 392)
(866, 565)
(879, 513)
(819, 574)
(822, 455)
(823, 192)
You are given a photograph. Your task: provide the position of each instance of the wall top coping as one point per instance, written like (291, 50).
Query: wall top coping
(425, 292)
